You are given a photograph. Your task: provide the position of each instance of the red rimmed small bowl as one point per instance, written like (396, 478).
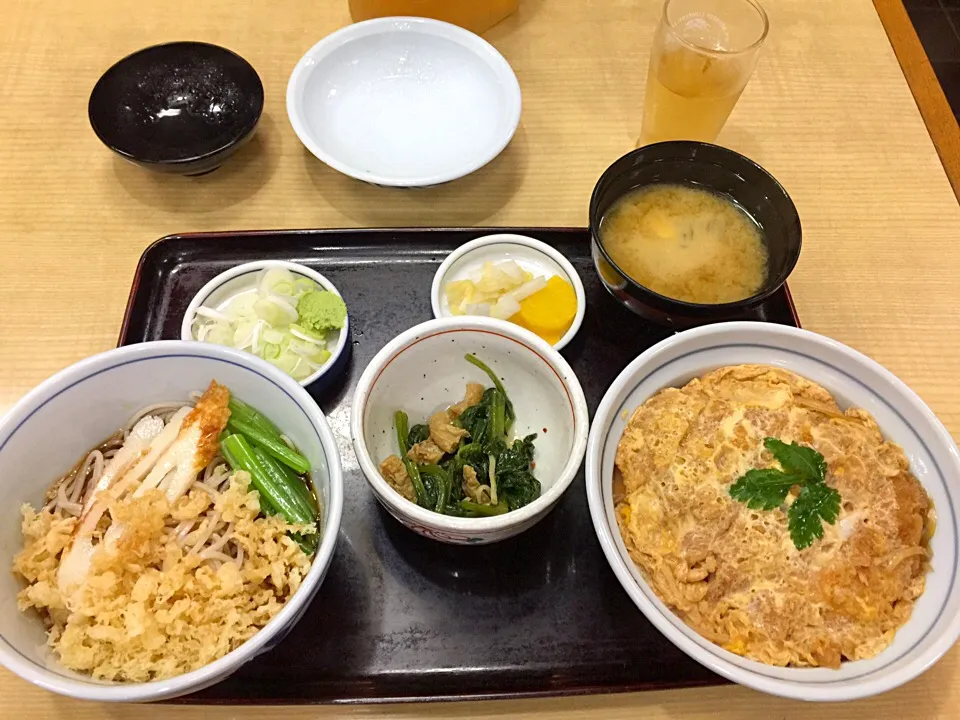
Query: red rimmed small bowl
(424, 370)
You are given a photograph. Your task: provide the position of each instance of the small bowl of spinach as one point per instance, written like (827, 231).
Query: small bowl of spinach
(462, 461)
(467, 431)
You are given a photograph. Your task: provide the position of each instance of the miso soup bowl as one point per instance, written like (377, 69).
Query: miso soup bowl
(43, 435)
(424, 370)
(709, 167)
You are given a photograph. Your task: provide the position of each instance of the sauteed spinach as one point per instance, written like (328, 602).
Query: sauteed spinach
(463, 461)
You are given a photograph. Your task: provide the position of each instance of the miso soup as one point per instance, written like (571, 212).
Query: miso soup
(686, 243)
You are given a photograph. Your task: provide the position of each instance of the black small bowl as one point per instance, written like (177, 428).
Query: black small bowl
(712, 168)
(182, 107)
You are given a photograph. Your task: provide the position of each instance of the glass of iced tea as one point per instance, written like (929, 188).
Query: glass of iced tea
(704, 51)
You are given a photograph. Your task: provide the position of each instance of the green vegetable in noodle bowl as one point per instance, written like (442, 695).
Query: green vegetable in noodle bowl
(463, 461)
(287, 320)
(253, 444)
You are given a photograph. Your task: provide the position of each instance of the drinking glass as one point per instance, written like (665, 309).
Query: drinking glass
(704, 52)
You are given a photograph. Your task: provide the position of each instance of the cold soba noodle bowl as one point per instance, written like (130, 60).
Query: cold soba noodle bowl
(171, 543)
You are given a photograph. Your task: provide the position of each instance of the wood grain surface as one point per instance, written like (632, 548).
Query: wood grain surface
(933, 105)
(828, 112)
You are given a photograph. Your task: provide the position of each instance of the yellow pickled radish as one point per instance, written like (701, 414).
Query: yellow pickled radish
(549, 312)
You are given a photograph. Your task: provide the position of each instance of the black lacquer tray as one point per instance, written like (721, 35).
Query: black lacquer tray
(400, 617)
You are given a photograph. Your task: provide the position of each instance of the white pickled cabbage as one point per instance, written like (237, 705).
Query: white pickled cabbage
(496, 291)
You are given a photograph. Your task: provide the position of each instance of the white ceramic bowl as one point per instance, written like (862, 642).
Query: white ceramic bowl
(854, 380)
(423, 370)
(243, 278)
(404, 101)
(532, 255)
(79, 407)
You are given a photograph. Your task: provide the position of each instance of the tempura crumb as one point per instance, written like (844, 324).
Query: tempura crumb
(151, 609)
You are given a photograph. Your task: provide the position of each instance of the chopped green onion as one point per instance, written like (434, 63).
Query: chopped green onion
(266, 321)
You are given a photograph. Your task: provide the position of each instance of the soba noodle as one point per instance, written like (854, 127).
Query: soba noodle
(143, 566)
(213, 539)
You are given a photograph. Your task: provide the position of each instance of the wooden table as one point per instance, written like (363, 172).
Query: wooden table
(828, 112)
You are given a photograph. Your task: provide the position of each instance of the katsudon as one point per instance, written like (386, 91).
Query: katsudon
(775, 524)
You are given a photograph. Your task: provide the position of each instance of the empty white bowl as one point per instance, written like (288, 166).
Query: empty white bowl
(423, 370)
(80, 406)
(404, 101)
(240, 279)
(530, 254)
(855, 381)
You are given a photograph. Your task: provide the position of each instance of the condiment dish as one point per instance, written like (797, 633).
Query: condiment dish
(532, 255)
(220, 290)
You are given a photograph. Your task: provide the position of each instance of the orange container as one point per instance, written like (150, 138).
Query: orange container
(475, 15)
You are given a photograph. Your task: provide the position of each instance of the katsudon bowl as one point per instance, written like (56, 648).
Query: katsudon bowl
(855, 381)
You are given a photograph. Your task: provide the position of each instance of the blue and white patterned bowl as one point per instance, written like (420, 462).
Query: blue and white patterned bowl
(43, 435)
(855, 381)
